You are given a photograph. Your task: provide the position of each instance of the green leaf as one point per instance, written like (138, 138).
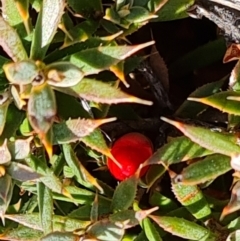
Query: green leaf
(20, 148)
(192, 198)
(73, 129)
(100, 92)
(177, 150)
(60, 223)
(105, 231)
(21, 172)
(46, 27)
(174, 9)
(22, 233)
(45, 204)
(224, 101)
(191, 109)
(3, 111)
(86, 8)
(181, 227)
(63, 74)
(21, 73)
(80, 172)
(124, 194)
(213, 141)
(60, 236)
(41, 108)
(205, 170)
(150, 230)
(94, 60)
(6, 191)
(11, 42)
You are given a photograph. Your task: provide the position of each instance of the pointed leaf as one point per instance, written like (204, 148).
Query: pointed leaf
(41, 108)
(21, 172)
(150, 230)
(80, 172)
(21, 73)
(118, 70)
(11, 43)
(3, 110)
(73, 129)
(181, 227)
(192, 198)
(221, 101)
(21, 233)
(97, 91)
(6, 191)
(94, 210)
(139, 14)
(63, 74)
(94, 60)
(46, 26)
(124, 194)
(105, 231)
(60, 223)
(177, 150)
(213, 141)
(205, 170)
(45, 205)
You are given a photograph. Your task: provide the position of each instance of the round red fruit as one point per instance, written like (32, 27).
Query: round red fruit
(130, 151)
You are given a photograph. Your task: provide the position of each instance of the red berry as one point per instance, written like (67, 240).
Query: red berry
(130, 151)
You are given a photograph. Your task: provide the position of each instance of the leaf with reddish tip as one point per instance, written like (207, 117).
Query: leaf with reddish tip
(73, 129)
(11, 42)
(124, 194)
(181, 227)
(214, 141)
(79, 171)
(224, 101)
(205, 170)
(94, 60)
(41, 108)
(192, 198)
(179, 149)
(100, 92)
(96, 141)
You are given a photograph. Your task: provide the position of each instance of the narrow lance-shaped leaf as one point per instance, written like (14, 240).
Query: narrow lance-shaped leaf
(221, 101)
(73, 129)
(150, 230)
(79, 171)
(124, 194)
(11, 43)
(60, 223)
(181, 227)
(4, 104)
(6, 190)
(177, 150)
(96, 141)
(192, 198)
(118, 70)
(205, 170)
(45, 205)
(213, 141)
(94, 60)
(46, 26)
(100, 92)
